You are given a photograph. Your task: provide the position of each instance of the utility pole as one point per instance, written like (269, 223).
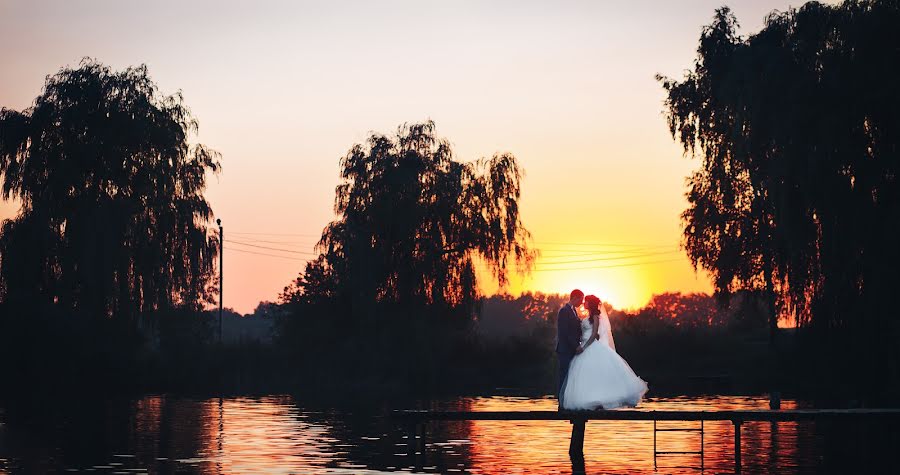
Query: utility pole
(221, 274)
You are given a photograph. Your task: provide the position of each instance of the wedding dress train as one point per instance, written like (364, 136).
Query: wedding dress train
(599, 377)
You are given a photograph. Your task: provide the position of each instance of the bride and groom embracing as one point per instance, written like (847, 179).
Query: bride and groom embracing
(591, 374)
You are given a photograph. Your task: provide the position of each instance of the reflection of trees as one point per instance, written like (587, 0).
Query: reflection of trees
(626, 446)
(262, 435)
(278, 434)
(371, 438)
(48, 436)
(797, 191)
(170, 428)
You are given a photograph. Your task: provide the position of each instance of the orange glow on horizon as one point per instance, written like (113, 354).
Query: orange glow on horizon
(626, 283)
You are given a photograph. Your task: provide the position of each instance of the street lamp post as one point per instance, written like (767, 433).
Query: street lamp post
(221, 275)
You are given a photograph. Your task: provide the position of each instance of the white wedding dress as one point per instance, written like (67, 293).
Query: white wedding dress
(599, 377)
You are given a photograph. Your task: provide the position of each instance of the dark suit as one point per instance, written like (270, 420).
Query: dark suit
(568, 338)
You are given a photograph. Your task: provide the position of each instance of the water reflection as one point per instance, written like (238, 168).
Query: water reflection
(278, 434)
(627, 446)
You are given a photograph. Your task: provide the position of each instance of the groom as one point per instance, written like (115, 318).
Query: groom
(568, 336)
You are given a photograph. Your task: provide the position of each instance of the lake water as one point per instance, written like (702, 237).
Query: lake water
(281, 434)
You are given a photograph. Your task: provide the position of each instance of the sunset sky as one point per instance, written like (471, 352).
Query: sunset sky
(284, 88)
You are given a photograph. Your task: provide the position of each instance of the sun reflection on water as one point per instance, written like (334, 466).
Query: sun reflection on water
(624, 446)
(279, 434)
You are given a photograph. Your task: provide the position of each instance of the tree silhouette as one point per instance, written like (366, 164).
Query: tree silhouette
(413, 224)
(728, 225)
(113, 222)
(797, 128)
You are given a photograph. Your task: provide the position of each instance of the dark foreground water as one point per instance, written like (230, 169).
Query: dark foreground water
(280, 434)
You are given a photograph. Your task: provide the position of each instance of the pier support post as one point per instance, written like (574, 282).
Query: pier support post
(576, 445)
(415, 444)
(411, 442)
(737, 445)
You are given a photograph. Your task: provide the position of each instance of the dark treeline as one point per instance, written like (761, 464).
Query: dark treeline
(797, 128)
(110, 249)
(678, 342)
(390, 300)
(681, 343)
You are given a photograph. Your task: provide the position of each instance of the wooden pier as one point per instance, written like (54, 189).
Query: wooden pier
(415, 420)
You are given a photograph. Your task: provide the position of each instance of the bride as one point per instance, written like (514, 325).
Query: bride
(598, 377)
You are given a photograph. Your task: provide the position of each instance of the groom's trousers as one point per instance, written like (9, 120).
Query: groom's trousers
(564, 360)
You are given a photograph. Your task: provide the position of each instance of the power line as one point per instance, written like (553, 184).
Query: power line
(562, 269)
(271, 248)
(278, 234)
(589, 252)
(604, 244)
(582, 253)
(563, 243)
(266, 254)
(553, 256)
(632, 256)
(268, 241)
(570, 247)
(637, 251)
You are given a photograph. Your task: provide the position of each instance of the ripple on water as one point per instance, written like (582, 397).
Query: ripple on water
(277, 435)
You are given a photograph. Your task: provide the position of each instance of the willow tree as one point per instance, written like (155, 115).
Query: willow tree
(414, 224)
(728, 224)
(798, 132)
(113, 221)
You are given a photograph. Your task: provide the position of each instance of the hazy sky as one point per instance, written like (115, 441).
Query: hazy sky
(284, 88)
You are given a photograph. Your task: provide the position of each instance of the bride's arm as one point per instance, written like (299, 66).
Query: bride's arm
(595, 324)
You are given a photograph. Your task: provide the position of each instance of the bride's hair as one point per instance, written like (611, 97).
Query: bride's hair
(592, 303)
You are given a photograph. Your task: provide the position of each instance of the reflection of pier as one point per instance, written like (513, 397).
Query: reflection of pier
(415, 420)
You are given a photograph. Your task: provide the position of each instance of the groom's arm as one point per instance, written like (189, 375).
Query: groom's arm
(573, 333)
